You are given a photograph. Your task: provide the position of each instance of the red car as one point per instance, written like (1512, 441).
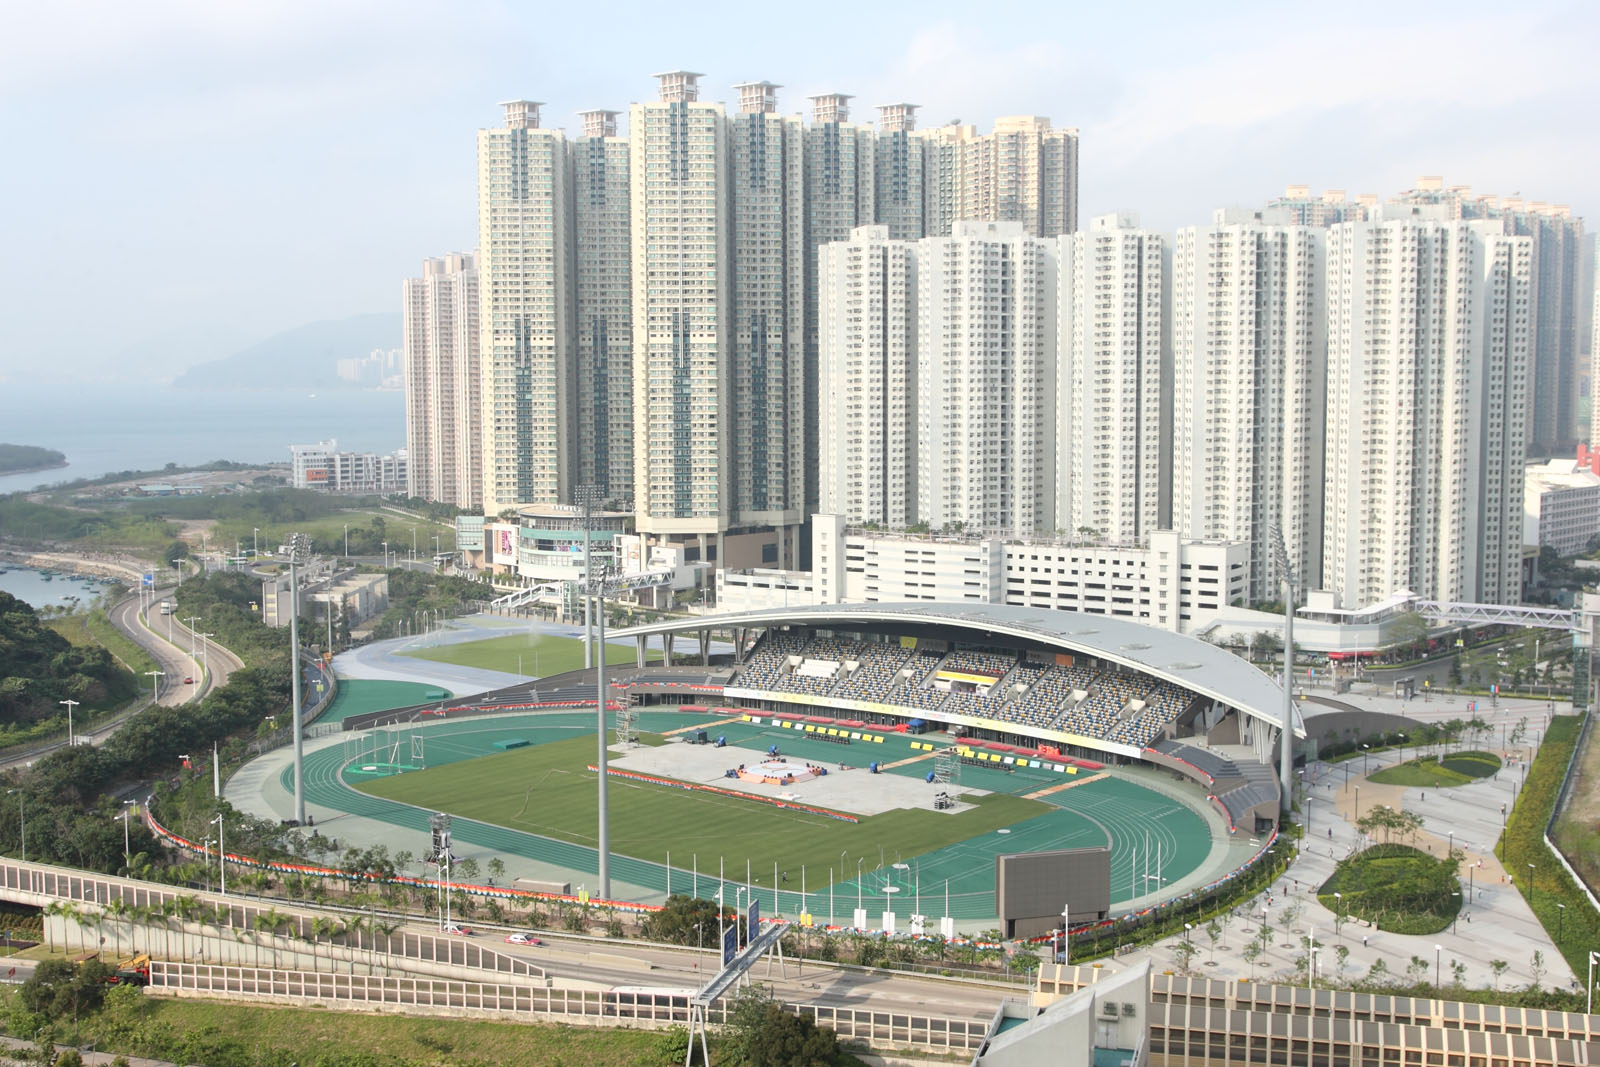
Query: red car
(522, 939)
(188, 681)
(457, 930)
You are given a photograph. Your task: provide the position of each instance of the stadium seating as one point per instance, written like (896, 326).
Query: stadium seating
(1113, 705)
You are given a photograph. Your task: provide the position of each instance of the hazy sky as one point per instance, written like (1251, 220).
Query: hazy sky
(183, 178)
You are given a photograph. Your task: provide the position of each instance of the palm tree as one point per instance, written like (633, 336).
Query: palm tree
(270, 921)
(120, 910)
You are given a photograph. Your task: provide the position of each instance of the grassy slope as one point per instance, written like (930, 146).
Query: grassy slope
(539, 655)
(95, 629)
(545, 789)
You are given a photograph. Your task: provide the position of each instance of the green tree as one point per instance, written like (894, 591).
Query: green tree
(59, 988)
(762, 1034)
(676, 923)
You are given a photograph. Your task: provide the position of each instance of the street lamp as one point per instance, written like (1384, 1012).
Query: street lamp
(70, 705)
(255, 548)
(155, 685)
(413, 543)
(1066, 933)
(297, 546)
(1438, 952)
(22, 817)
(1338, 915)
(127, 850)
(347, 540)
(1592, 956)
(1531, 870)
(1358, 804)
(1561, 919)
(1366, 752)
(222, 866)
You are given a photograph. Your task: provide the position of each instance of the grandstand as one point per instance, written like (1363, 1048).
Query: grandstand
(1089, 686)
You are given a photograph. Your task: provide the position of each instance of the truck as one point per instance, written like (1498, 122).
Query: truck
(167, 607)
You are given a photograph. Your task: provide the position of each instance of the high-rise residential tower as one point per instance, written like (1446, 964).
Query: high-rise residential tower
(526, 345)
(899, 172)
(868, 463)
(1559, 303)
(985, 379)
(839, 190)
(1112, 384)
(767, 178)
(444, 437)
(603, 258)
(1023, 172)
(1249, 344)
(683, 321)
(1429, 345)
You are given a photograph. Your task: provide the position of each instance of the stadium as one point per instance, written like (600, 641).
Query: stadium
(854, 763)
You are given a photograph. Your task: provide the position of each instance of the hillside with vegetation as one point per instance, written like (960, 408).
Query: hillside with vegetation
(39, 668)
(20, 459)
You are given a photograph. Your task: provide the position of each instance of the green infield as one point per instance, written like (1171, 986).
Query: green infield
(548, 790)
(538, 802)
(535, 655)
(1458, 768)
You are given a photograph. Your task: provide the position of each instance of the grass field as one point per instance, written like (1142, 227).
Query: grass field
(539, 803)
(536, 655)
(93, 629)
(1458, 768)
(199, 1032)
(546, 789)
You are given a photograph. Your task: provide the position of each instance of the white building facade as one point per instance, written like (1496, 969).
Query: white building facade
(1561, 505)
(985, 379)
(525, 268)
(444, 400)
(1249, 346)
(1112, 400)
(868, 453)
(1428, 363)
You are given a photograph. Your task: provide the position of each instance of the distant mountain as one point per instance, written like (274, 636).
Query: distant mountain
(305, 357)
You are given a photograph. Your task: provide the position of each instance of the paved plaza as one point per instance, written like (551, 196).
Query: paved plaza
(1495, 922)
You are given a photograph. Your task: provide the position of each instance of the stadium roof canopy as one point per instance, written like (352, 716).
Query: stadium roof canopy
(1186, 661)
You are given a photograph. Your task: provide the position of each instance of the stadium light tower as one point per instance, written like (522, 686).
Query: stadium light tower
(1280, 553)
(588, 496)
(296, 549)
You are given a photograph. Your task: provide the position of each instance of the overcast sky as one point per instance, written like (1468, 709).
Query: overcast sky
(183, 178)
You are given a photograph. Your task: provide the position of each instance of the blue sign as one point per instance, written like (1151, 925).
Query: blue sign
(149, 578)
(752, 919)
(730, 944)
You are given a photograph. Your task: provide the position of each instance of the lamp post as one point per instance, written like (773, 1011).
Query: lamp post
(1438, 955)
(1066, 933)
(70, 705)
(413, 544)
(255, 547)
(1366, 753)
(1531, 874)
(1561, 919)
(1338, 916)
(386, 555)
(127, 850)
(1280, 552)
(1358, 804)
(297, 546)
(155, 685)
(22, 818)
(1592, 956)
(1457, 916)
(222, 865)
(347, 540)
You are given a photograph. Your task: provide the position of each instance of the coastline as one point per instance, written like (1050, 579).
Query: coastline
(37, 470)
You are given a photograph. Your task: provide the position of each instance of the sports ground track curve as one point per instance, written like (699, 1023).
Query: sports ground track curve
(1137, 820)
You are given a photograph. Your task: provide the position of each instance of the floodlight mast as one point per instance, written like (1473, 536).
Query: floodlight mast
(1286, 736)
(588, 496)
(297, 546)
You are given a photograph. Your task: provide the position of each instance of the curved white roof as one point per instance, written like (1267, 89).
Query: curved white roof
(1185, 661)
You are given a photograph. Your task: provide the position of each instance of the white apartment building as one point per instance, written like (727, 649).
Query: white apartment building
(898, 172)
(1249, 347)
(1429, 334)
(985, 379)
(868, 454)
(444, 400)
(1559, 304)
(767, 175)
(323, 467)
(1111, 401)
(604, 268)
(682, 311)
(1172, 584)
(1561, 504)
(1022, 172)
(525, 266)
(840, 156)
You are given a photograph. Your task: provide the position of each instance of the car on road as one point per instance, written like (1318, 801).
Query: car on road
(522, 939)
(457, 930)
(188, 681)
